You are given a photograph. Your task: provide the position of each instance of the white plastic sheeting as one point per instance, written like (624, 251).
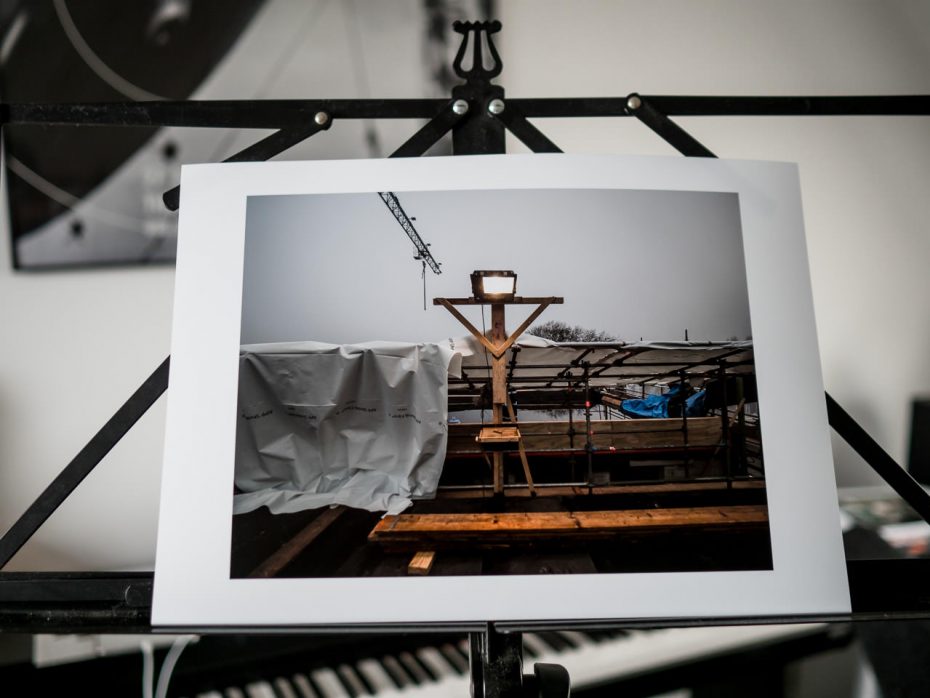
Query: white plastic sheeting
(361, 425)
(616, 363)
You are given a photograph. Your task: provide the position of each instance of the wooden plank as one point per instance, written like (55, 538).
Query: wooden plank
(619, 435)
(516, 300)
(292, 548)
(580, 490)
(422, 562)
(496, 435)
(606, 426)
(511, 527)
(523, 460)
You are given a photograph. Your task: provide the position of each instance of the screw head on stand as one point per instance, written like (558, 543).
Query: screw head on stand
(460, 106)
(320, 118)
(496, 106)
(633, 102)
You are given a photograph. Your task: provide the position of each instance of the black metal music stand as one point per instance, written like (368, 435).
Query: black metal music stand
(477, 116)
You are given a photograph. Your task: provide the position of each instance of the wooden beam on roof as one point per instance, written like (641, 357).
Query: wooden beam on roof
(515, 527)
(582, 490)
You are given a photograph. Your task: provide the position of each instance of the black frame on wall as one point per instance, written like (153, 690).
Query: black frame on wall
(477, 115)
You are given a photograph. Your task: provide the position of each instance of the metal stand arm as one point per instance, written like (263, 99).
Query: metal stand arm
(83, 463)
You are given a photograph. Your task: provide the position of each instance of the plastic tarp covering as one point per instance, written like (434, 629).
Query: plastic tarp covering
(629, 362)
(360, 425)
(657, 406)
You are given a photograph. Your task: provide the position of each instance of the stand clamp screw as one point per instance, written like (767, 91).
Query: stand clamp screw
(460, 106)
(496, 106)
(320, 118)
(633, 102)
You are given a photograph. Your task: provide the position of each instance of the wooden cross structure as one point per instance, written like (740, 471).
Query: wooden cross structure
(499, 438)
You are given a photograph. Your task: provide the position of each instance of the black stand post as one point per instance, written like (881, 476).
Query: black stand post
(496, 667)
(495, 658)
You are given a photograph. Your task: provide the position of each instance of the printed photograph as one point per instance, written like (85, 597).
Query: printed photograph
(496, 382)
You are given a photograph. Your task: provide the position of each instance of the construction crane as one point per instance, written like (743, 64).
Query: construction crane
(423, 253)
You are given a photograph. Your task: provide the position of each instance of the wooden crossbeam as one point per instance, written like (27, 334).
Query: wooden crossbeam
(523, 460)
(581, 490)
(512, 527)
(292, 548)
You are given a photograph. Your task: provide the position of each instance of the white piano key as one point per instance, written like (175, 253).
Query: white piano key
(645, 651)
(259, 689)
(588, 664)
(536, 645)
(376, 676)
(284, 688)
(303, 686)
(210, 694)
(329, 684)
(434, 661)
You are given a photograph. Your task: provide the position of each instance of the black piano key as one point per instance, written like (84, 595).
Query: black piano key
(554, 641)
(533, 647)
(375, 675)
(283, 689)
(570, 640)
(367, 688)
(435, 662)
(327, 684)
(304, 687)
(455, 657)
(352, 681)
(415, 668)
(397, 671)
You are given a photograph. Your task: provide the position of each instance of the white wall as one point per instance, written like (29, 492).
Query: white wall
(75, 345)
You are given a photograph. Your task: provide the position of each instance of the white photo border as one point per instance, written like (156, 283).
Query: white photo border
(193, 587)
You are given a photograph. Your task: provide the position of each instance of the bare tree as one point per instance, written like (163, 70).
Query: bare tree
(559, 331)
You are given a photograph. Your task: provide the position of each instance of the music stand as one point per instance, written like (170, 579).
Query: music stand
(478, 116)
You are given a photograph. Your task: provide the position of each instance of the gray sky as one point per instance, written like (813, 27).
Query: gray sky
(339, 268)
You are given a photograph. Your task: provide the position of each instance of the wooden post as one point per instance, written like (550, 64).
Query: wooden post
(523, 460)
(499, 370)
(498, 386)
(496, 345)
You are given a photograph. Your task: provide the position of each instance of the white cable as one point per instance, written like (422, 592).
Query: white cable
(167, 667)
(94, 62)
(148, 668)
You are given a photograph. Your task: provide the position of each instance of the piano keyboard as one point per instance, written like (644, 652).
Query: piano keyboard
(591, 658)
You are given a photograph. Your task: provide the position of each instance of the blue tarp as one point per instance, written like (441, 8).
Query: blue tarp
(656, 406)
